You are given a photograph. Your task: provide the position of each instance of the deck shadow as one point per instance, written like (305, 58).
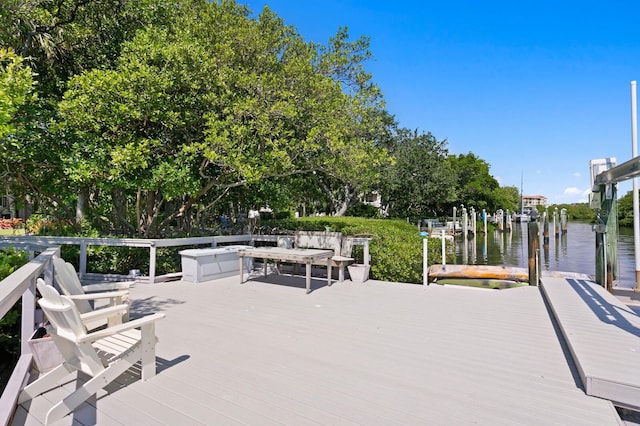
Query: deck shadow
(289, 280)
(605, 311)
(150, 305)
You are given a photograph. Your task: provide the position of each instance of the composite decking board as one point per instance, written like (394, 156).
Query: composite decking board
(203, 410)
(257, 334)
(37, 408)
(372, 353)
(604, 337)
(223, 363)
(228, 386)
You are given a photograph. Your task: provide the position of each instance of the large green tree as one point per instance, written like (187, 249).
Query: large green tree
(16, 86)
(59, 39)
(475, 186)
(16, 93)
(507, 198)
(219, 101)
(421, 183)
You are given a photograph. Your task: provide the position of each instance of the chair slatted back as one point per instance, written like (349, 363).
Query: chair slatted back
(68, 281)
(68, 327)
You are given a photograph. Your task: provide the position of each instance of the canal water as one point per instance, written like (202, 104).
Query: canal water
(572, 252)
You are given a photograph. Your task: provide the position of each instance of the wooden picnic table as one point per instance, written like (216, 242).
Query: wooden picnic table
(304, 256)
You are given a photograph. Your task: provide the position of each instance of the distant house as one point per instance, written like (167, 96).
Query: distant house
(374, 198)
(534, 200)
(6, 207)
(9, 208)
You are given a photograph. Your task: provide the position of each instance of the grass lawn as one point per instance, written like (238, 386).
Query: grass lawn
(11, 232)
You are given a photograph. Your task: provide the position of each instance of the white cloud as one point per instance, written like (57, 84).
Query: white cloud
(586, 192)
(573, 191)
(577, 174)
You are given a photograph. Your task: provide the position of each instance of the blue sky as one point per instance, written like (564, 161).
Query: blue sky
(535, 88)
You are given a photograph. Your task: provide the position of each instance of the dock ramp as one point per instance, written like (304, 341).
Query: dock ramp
(603, 336)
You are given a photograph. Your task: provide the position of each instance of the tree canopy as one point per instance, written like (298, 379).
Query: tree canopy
(214, 100)
(154, 115)
(421, 183)
(16, 84)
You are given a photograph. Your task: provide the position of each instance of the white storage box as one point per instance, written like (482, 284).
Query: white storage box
(212, 263)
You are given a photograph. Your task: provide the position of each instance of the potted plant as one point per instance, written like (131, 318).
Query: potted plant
(358, 272)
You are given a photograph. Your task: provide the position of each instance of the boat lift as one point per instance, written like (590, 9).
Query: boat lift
(605, 175)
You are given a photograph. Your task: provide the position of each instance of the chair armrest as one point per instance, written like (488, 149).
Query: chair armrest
(122, 285)
(94, 296)
(104, 312)
(342, 259)
(101, 334)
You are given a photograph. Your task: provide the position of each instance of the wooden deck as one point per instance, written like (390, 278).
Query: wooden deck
(376, 353)
(603, 335)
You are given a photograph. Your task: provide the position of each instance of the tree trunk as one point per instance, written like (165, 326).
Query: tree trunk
(81, 205)
(347, 197)
(121, 223)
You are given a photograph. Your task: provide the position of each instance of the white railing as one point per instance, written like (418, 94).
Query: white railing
(22, 284)
(30, 243)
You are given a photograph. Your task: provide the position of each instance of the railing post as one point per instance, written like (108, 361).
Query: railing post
(365, 252)
(425, 258)
(152, 262)
(83, 259)
(28, 317)
(444, 244)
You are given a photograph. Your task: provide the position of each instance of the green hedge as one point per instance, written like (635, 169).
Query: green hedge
(395, 247)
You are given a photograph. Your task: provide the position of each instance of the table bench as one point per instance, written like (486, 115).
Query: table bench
(334, 241)
(307, 257)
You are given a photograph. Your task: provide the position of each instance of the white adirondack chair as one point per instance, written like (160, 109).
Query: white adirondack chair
(103, 355)
(116, 293)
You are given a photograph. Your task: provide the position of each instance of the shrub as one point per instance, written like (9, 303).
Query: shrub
(395, 247)
(364, 210)
(15, 223)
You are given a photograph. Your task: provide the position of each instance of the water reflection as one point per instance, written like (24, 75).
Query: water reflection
(571, 252)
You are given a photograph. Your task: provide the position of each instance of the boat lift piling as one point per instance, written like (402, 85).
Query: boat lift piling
(472, 216)
(604, 199)
(453, 231)
(484, 220)
(545, 225)
(465, 221)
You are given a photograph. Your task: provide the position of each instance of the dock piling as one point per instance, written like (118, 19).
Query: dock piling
(533, 251)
